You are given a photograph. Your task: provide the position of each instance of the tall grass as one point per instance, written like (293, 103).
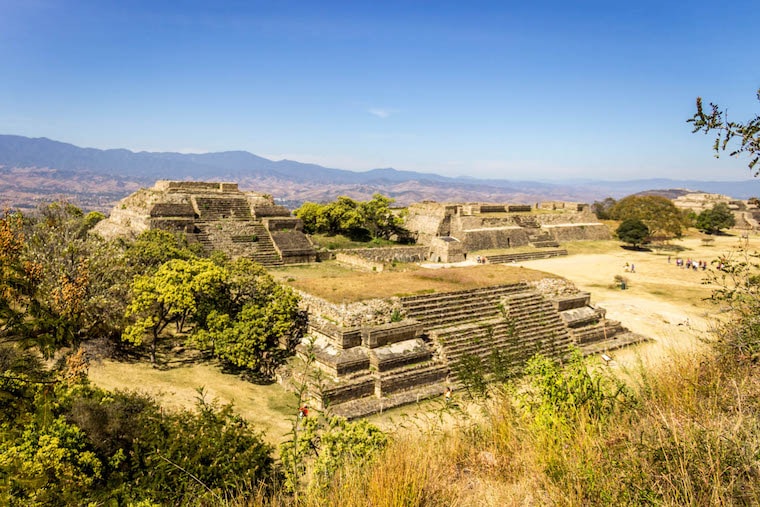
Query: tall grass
(686, 433)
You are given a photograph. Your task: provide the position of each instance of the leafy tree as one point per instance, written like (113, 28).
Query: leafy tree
(378, 218)
(603, 209)
(743, 137)
(309, 214)
(714, 219)
(60, 284)
(155, 247)
(658, 213)
(251, 317)
(46, 455)
(632, 231)
(80, 445)
(356, 219)
(169, 295)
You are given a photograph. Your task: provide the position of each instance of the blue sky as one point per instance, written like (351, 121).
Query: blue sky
(537, 90)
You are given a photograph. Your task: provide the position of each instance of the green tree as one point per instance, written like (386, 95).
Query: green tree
(632, 231)
(154, 247)
(378, 218)
(741, 137)
(603, 209)
(249, 320)
(658, 213)
(309, 213)
(714, 219)
(62, 284)
(171, 294)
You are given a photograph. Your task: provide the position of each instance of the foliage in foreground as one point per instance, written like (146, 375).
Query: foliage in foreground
(63, 442)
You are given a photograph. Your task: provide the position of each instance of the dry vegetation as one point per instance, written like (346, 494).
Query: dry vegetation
(334, 283)
(687, 434)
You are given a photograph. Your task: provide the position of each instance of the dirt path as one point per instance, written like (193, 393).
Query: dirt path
(662, 301)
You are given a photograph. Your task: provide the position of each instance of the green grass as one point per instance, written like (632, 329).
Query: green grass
(339, 241)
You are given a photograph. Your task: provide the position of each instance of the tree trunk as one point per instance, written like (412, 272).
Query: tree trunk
(153, 348)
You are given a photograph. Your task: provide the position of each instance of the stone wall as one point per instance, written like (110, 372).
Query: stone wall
(486, 239)
(447, 249)
(357, 262)
(281, 223)
(577, 232)
(426, 219)
(195, 186)
(368, 312)
(398, 254)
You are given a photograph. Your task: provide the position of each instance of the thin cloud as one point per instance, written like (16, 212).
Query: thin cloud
(381, 112)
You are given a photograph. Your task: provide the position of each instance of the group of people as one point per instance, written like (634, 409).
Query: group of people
(690, 264)
(481, 260)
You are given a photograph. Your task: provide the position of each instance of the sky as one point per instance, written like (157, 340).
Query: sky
(529, 90)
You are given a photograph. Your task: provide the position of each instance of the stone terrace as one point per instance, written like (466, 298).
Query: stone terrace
(371, 365)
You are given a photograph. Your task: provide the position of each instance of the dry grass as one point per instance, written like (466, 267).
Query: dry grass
(342, 285)
(268, 407)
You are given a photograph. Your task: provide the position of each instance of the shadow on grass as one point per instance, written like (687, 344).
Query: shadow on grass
(632, 248)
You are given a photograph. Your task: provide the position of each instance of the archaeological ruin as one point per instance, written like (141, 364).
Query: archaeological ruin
(746, 213)
(384, 352)
(377, 354)
(216, 215)
(452, 230)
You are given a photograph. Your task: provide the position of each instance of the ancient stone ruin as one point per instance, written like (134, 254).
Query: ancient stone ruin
(454, 230)
(746, 213)
(216, 215)
(378, 354)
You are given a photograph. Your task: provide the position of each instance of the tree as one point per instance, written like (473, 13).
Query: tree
(154, 247)
(714, 219)
(247, 322)
(658, 213)
(378, 218)
(632, 231)
(356, 219)
(602, 209)
(728, 133)
(309, 215)
(171, 294)
(61, 285)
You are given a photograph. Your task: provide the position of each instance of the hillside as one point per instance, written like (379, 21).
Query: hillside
(40, 169)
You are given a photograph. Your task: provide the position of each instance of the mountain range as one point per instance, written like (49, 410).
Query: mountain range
(34, 170)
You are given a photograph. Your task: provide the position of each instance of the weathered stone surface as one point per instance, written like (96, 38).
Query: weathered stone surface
(481, 226)
(373, 363)
(218, 216)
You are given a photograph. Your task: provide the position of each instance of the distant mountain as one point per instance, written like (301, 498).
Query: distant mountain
(40, 169)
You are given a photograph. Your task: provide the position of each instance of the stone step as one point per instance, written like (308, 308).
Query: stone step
(525, 256)
(620, 340)
(496, 291)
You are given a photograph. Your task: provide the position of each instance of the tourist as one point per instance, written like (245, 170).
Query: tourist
(447, 395)
(633, 268)
(303, 411)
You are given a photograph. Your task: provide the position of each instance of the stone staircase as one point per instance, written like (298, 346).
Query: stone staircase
(511, 319)
(222, 208)
(238, 239)
(542, 239)
(446, 309)
(591, 331)
(265, 253)
(525, 256)
(537, 326)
